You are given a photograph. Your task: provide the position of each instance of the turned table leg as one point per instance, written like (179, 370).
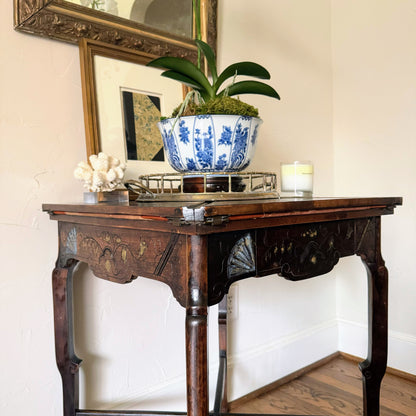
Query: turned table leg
(197, 328)
(68, 363)
(374, 367)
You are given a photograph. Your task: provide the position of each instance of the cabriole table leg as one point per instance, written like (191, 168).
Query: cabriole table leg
(68, 363)
(374, 367)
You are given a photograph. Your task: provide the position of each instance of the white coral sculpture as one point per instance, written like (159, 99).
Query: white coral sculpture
(103, 174)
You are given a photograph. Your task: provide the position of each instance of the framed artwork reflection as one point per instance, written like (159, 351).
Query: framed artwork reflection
(123, 100)
(141, 112)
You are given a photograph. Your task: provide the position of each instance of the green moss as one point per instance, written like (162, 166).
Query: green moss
(221, 105)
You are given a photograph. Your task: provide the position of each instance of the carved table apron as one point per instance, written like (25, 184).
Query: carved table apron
(200, 250)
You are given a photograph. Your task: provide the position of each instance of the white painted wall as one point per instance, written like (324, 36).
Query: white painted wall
(293, 41)
(131, 336)
(374, 67)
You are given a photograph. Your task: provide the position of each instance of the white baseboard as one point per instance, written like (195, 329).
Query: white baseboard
(401, 347)
(249, 370)
(256, 367)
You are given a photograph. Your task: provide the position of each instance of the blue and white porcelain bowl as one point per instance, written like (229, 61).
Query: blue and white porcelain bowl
(210, 143)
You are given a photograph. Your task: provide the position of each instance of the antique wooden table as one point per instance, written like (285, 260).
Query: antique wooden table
(199, 249)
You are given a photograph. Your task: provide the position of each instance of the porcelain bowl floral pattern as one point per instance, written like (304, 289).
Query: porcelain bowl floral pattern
(210, 143)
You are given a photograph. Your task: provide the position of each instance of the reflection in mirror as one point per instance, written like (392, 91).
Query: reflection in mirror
(141, 113)
(123, 100)
(171, 16)
(130, 98)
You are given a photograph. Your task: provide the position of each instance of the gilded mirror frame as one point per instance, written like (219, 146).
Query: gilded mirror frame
(66, 21)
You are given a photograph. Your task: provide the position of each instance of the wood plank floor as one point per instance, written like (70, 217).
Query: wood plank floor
(332, 389)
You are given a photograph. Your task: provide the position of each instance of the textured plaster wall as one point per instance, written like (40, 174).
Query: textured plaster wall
(41, 135)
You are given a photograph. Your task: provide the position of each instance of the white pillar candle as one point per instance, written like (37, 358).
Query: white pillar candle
(297, 177)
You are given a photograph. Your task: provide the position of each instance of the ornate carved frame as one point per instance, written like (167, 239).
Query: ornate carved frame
(62, 20)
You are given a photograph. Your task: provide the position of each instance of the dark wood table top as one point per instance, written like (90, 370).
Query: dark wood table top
(199, 217)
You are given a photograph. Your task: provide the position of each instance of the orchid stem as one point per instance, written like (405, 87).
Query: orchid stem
(198, 35)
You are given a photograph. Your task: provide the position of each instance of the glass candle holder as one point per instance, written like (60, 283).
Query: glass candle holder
(297, 178)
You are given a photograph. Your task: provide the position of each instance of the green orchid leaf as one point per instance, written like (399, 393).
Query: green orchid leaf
(250, 87)
(182, 78)
(210, 57)
(188, 82)
(242, 68)
(186, 68)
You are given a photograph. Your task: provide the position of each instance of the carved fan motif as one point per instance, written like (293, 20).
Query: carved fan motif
(241, 259)
(71, 242)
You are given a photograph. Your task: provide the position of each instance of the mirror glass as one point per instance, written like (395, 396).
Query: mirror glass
(123, 101)
(170, 16)
(130, 100)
